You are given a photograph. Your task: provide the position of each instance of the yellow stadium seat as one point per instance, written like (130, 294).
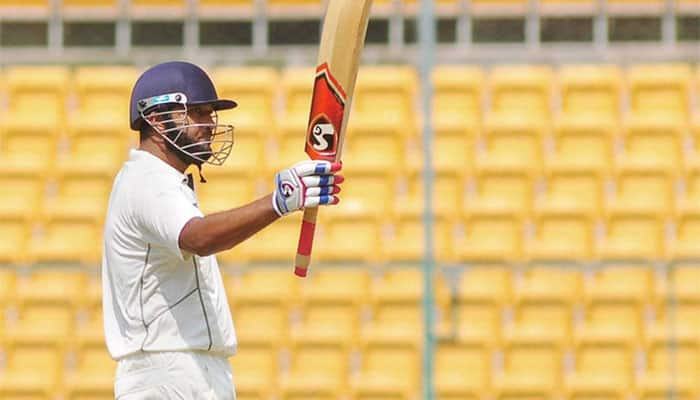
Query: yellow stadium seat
(334, 243)
(98, 148)
(673, 364)
(288, 146)
(618, 298)
(396, 308)
(391, 89)
(224, 190)
(454, 148)
(255, 371)
(660, 89)
(21, 191)
(162, 8)
(457, 97)
(67, 238)
(685, 244)
(679, 299)
(645, 188)
(32, 89)
(521, 89)
(92, 8)
(332, 305)
(462, 370)
(277, 242)
(82, 193)
(32, 370)
(571, 187)
(8, 280)
(297, 86)
(545, 301)
(583, 141)
(591, 91)
(29, 147)
(604, 366)
(93, 376)
(653, 139)
(562, 235)
(633, 234)
(490, 235)
(103, 94)
(255, 91)
(16, 233)
(503, 187)
(373, 148)
(513, 140)
(406, 242)
(368, 192)
(690, 197)
(448, 193)
(380, 379)
(319, 370)
(483, 293)
(532, 369)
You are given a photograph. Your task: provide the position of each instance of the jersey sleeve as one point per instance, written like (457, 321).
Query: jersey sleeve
(164, 211)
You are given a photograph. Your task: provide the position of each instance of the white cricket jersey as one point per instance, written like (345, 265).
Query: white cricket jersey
(157, 297)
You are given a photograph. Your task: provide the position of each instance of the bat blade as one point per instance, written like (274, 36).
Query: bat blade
(342, 40)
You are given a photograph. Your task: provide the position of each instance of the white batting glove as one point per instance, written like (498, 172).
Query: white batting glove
(307, 184)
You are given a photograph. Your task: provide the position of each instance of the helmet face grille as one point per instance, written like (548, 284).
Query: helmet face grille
(219, 137)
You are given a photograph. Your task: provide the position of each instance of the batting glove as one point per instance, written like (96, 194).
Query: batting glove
(306, 184)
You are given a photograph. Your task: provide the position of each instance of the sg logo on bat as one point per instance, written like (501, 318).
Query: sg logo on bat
(326, 119)
(322, 136)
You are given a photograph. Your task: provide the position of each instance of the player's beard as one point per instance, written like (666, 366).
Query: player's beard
(203, 150)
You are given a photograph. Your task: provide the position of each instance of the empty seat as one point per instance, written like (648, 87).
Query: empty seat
(372, 148)
(685, 244)
(673, 365)
(380, 379)
(334, 245)
(93, 376)
(32, 88)
(521, 89)
(319, 369)
(32, 370)
(633, 234)
(679, 299)
(8, 279)
(21, 191)
(571, 187)
(532, 369)
(16, 233)
(297, 86)
(644, 188)
(103, 94)
(390, 88)
(81, 193)
(406, 241)
(482, 294)
(277, 242)
(490, 235)
(255, 91)
(255, 369)
(584, 142)
(457, 97)
(454, 148)
(590, 90)
(29, 147)
(100, 148)
(503, 187)
(513, 140)
(660, 89)
(225, 189)
(562, 235)
(448, 193)
(655, 140)
(67, 238)
(462, 370)
(396, 308)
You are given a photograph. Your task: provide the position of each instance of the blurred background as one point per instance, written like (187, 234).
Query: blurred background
(521, 217)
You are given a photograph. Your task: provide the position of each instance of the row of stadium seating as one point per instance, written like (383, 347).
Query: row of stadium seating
(543, 331)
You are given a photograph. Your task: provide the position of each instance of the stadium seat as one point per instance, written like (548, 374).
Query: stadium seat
(490, 236)
(454, 148)
(29, 147)
(672, 365)
(32, 370)
(318, 370)
(288, 147)
(370, 193)
(255, 370)
(80, 193)
(603, 369)
(571, 187)
(277, 242)
(406, 242)
(374, 148)
(562, 235)
(521, 89)
(225, 189)
(93, 376)
(633, 234)
(592, 91)
(99, 148)
(447, 199)
(333, 303)
(503, 187)
(679, 299)
(21, 191)
(654, 139)
(334, 243)
(513, 140)
(33, 89)
(8, 280)
(691, 196)
(532, 369)
(379, 378)
(685, 244)
(660, 89)
(103, 94)
(462, 370)
(545, 302)
(584, 142)
(297, 86)
(483, 293)
(67, 238)
(389, 88)
(16, 233)
(617, 300)
(255, 91)
(457, 97)
(644, 188)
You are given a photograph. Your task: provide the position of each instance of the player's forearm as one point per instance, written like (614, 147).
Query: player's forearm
(223, 230)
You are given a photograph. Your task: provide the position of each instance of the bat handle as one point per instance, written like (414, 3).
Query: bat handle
(306, 241)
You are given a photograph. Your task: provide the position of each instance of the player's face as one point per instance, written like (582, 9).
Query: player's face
(196, 138)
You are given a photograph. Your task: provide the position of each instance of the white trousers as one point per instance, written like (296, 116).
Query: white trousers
(174, 375)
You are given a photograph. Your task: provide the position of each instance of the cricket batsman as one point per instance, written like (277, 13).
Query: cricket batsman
(166, 316)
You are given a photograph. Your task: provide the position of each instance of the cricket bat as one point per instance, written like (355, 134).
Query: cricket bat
(342, 39)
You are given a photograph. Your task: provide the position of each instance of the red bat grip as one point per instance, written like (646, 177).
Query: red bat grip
(306, 241)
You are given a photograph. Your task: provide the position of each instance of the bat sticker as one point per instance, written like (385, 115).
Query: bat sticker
(326, 119)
